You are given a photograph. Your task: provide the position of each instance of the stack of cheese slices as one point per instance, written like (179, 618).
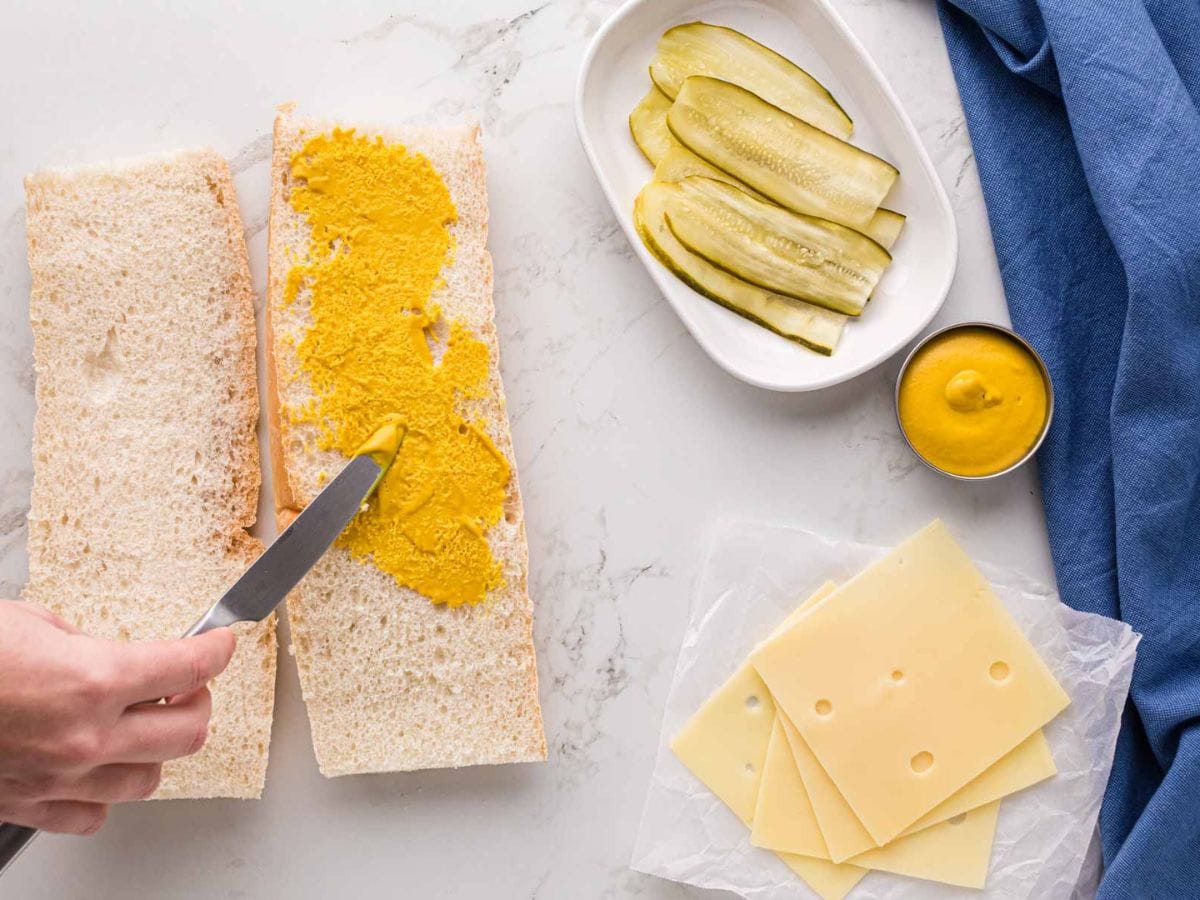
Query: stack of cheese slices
(881, 724)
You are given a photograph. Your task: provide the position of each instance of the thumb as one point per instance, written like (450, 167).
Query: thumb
(223, 642)
(165, 668)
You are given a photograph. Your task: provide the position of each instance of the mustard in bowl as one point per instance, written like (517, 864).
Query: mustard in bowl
(974, 400)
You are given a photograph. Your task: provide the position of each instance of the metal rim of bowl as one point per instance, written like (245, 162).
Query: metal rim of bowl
(1045, 372)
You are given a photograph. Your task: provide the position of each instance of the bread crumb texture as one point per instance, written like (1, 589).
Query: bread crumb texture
(146, 470)
(378, 218)
(392, 681)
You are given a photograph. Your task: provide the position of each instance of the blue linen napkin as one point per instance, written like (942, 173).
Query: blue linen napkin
(1083, 116)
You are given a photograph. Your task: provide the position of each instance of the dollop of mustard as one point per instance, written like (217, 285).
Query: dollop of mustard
(973, 401)
(377, 346)
(966, 391)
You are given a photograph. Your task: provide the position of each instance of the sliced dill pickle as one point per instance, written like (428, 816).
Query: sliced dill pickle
(648, 125)
(698, 48)
(812, 326)
(782, 251)
(885, 227)
(680, 162)
(780, 156)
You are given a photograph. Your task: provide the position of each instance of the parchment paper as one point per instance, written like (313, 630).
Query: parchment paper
(754, 575)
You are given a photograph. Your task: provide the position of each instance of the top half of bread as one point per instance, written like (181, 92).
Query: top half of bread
(146, 469)
(466, 293)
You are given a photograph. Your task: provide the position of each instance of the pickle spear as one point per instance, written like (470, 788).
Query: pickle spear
(780, 156)
(648, 125)
(777, 249)
(680, 162)
(698, 48)
(812, 326)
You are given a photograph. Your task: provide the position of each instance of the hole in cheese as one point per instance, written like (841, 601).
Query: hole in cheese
(823, 707)
(957, 820)
(752, 702)
(922, 762)
(897, 675)
(999, 670)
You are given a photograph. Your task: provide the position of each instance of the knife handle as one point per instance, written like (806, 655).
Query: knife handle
(13, 839)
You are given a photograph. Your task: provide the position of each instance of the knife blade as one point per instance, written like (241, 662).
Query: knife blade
(270, 577)
(298, 547)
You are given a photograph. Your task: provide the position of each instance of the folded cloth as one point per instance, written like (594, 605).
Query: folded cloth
(1083, 117)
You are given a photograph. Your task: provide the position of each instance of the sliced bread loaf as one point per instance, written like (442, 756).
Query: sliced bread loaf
(146, 469)
(393, 682)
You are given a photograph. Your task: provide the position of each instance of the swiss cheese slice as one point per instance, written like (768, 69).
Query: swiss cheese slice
(828, 880)
(954, 852)
(783, 818)
(909, 681)
(1023, 766)
(841, 832)
(1027, 764)
(844, 834)
(724, 743)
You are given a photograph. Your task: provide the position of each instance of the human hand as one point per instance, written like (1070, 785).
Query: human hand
(80, 727)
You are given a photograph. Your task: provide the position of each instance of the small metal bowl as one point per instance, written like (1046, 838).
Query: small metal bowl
(1007, 332)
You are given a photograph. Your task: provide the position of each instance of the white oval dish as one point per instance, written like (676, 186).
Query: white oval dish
(614, 77)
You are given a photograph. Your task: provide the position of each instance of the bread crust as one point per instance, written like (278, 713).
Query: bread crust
(500, 628)
(285, 501)
(248, 480)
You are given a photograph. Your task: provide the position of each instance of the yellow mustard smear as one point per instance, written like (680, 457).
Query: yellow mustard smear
(973, 401)
(379, 218)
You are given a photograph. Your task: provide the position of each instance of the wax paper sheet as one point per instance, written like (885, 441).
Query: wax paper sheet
(754, 574)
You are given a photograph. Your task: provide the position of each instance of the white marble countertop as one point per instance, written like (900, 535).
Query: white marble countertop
(628, 438)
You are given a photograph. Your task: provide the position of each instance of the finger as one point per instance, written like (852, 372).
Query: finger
(157, 732)
(46, 616)
(62, 816)
(158, 669)
(117, 783)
